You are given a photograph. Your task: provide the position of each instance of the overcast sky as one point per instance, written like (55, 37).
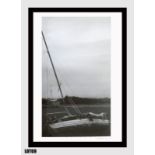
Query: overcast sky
(80, 49)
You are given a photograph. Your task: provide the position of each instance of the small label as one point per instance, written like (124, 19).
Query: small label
(30, 151)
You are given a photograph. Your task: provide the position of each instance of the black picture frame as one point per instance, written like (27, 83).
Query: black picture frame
(123, 143)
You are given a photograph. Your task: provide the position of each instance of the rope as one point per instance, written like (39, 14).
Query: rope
(75, 107)
(68, 112)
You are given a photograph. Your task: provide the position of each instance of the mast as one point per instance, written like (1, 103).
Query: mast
(55, 72)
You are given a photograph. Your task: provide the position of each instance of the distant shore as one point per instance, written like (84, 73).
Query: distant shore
(68, 101)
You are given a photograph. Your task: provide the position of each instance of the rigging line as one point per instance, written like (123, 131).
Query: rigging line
(74, 105)
(55, 73)
(76, 108)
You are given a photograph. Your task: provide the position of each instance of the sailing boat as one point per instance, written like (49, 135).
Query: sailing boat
(65, 124)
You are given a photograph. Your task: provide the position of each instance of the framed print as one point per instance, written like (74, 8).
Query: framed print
(77, 77)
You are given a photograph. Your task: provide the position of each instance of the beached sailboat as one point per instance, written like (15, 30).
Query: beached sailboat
(65, 124)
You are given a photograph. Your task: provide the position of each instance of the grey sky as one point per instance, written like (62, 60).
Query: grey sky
(80, 49)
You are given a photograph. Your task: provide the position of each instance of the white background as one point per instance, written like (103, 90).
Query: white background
(10, 79)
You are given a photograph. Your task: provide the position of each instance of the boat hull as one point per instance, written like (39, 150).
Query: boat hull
(80, 127)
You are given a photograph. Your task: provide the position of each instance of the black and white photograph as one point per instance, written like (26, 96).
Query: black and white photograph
(76, 76)
(78, 58)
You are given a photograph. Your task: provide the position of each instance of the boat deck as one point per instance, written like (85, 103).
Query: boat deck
(79, 122)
